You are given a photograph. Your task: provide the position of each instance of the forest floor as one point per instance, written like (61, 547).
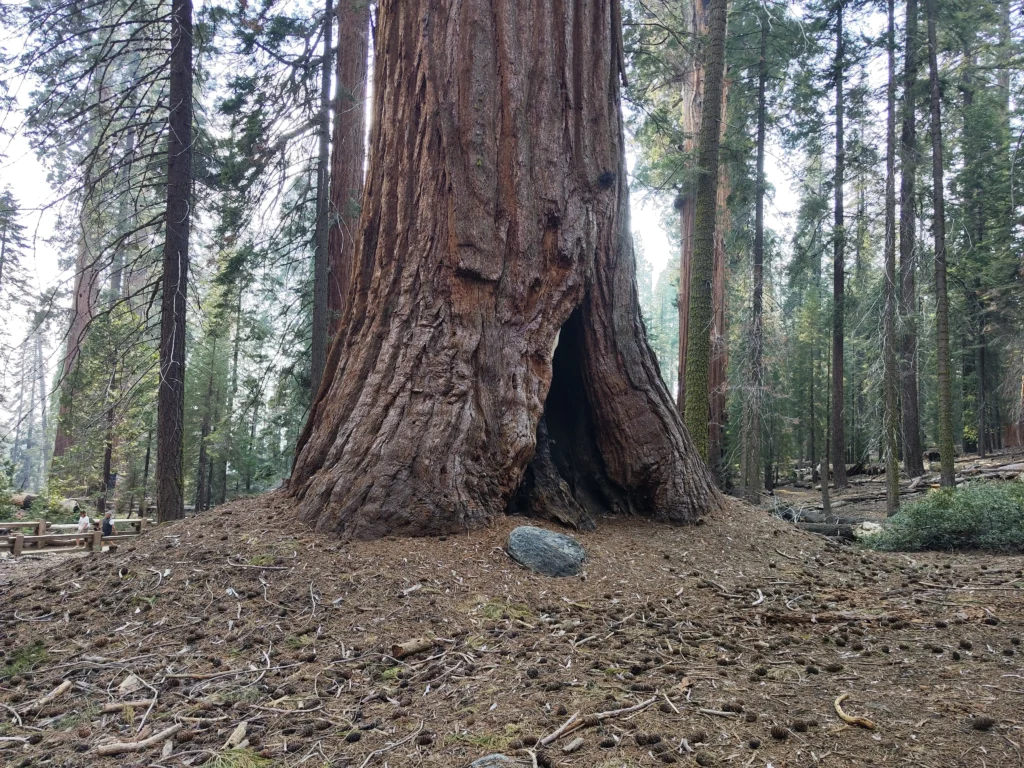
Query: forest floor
(740, 632)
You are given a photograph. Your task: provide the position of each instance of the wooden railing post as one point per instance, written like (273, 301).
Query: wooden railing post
(16, 543)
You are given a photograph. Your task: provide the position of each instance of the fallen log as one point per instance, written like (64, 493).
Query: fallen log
(23, 500)
(833, 530)
(409, 647)
(120, 747)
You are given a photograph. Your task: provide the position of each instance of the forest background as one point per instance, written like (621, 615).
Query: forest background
(85, 122)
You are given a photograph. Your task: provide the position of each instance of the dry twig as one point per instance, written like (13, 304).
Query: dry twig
(863, 722)
(120, 747)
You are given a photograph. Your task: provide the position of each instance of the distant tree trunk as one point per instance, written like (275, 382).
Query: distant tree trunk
(41, 384)
(698, 359)
(692, 93)
(838, 452)
(83, 307)
(945, 399)
(753, 423)
(812, 452)
(979, 366)
(203, 478)
(890, 418)
(826, 506)
(3, 251)
(692, 89)
(31, 442)
(913, 456)
(347, 153)
(229, 440)
(718, 369)
(171, 392)
(975, 225)
(318, 355)
(495, 356)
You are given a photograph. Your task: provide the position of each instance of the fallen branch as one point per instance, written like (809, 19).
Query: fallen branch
(569, 726)
(563, 728)
(717, 713)
(409, 647)
(43, 701)
(863, 722)
(13, 712)
(389, 747)
(120, 747)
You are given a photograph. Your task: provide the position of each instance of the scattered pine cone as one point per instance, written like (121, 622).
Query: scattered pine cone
(982, 723)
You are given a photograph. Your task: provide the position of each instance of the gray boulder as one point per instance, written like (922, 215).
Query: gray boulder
(545, 552)
(494, 761)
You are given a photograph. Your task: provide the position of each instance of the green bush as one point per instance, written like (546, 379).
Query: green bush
(979, 515)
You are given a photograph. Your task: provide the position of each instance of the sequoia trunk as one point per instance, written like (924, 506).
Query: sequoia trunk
(347, 153)
(318, 350)
(493, 354)
(700, 327)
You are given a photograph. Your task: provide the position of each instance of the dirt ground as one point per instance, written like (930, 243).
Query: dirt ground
(743, 632)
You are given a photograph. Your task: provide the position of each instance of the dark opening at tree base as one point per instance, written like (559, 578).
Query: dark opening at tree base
(566, 480)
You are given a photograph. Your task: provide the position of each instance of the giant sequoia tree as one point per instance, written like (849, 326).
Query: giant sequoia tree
(493, 355)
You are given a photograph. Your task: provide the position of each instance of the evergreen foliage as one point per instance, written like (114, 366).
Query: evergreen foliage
(979, 515)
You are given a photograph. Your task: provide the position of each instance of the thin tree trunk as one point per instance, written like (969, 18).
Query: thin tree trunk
(979, 366)
(945, 398)
(203, 478)
(229, 441)
(754, 420)
(498, 358)
(3, 253)
(838, 452)
(348, 153)
(143, 507)
(718, 369)
(697, 408)
(41, 384)
(825, 504)
(31, 443)
(171, 392)
(323, 211)
(913, 457)
(890, 418)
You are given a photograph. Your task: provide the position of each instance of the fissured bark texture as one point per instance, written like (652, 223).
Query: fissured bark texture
(494, 230)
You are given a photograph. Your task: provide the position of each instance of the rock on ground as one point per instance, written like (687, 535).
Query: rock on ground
(545, 552)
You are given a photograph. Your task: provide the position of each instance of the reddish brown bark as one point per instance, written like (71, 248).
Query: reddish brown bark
(718, 380)
(495, 286)
(83, 308)
(347, 153)
(692, 91)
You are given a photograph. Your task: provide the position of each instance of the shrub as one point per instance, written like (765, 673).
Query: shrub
(978, 515)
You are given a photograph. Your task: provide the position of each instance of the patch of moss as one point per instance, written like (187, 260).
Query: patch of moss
(499, 609)
(24, 659)
(239, 758)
